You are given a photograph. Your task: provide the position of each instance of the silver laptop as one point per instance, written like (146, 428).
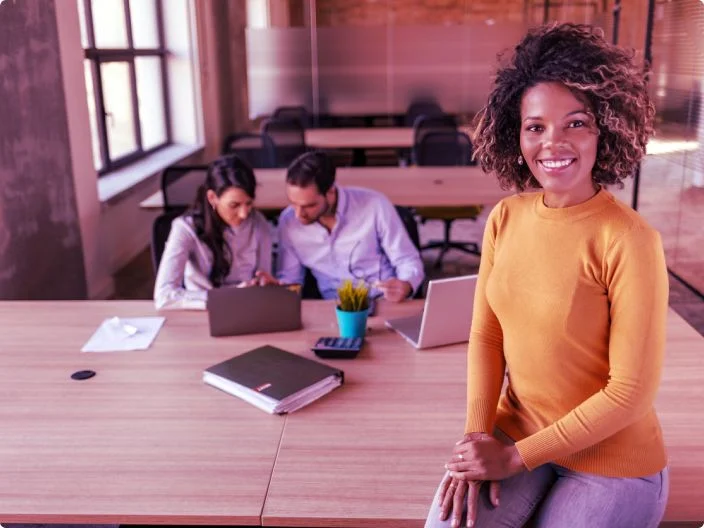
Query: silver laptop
(237, 311)
(446, 317)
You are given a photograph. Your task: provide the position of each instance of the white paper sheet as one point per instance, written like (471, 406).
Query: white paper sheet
(124, 333)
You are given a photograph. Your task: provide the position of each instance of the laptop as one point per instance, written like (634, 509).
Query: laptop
(446, 316)
(258, 309)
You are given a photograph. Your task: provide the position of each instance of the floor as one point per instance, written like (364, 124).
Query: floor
(136, 280)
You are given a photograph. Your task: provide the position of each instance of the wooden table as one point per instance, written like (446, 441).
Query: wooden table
(373, 453)
(144, 441)
(147, 442)
(364, 138)
(409, 186)
(372, 456)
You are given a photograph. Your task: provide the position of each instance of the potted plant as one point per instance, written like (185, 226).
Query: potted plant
(352, 309)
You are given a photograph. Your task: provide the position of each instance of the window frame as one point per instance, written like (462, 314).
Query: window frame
(99, 56)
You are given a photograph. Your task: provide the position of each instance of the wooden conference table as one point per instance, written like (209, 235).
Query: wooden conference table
(147, 442)
(364, 138)
(409, 186)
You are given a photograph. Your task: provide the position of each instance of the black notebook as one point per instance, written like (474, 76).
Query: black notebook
(274, 380)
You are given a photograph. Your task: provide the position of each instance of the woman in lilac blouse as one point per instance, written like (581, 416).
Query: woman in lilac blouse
(221, 241)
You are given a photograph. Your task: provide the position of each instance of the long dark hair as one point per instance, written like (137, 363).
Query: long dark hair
(224, 173)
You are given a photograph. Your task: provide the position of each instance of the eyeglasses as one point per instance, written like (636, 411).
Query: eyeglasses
(359, 272)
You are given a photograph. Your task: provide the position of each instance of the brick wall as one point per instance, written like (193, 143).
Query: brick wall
(410, 12)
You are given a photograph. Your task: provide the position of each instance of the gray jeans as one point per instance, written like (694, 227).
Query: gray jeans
(555, 497)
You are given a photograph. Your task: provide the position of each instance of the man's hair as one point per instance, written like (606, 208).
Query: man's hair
(312, 168)
(601, 74)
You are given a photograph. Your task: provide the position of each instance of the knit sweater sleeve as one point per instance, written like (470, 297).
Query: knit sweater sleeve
(635, 276)
(485, 357)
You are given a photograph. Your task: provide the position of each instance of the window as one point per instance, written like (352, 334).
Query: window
(125, 71)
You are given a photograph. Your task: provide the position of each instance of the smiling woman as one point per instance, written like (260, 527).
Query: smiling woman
(571, 301)
(559, 143)
(605, 82)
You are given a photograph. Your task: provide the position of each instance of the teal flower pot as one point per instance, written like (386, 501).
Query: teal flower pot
(352, 324)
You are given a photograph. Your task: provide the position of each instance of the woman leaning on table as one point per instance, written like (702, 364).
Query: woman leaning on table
(571, 301)
(221, 241)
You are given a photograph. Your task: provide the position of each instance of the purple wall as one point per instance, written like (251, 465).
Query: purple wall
(40, 241)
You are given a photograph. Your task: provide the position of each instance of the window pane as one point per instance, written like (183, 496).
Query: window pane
(145, 33)
(95, 141)
(82, 20)
(109, 26)
(119, 119)
(151, 101)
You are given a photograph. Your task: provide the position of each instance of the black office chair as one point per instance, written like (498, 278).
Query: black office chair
(310, 288)
(160, 233)
(257, 150)
(426, 107)
(425, 124)
(298, 113)
(288, 137)
(179, 184)
(442, 148)
(447, 148)
(418, 108)
(408, 218)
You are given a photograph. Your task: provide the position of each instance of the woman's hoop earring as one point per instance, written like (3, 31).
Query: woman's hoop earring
(520, 160)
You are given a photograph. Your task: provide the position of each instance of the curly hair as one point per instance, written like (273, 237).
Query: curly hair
(599, 73)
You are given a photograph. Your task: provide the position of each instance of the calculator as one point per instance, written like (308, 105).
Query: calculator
(338, 347)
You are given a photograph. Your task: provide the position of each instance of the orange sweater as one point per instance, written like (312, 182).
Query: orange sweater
(573, 303)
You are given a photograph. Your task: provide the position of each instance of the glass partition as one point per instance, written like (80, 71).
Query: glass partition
(671, 194)
(375, 58)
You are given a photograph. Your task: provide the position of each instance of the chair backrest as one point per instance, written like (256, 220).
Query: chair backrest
(443, 148)
(179, 184)
(409, 222)
(160, 233)
(288, 137)
(310, 288)
(294, 112)
(257, 150)
(421, 107)
(437, 123)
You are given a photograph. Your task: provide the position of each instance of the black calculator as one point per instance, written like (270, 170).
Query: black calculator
(338, 347)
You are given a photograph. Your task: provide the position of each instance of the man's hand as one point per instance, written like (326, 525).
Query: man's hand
(394, 290)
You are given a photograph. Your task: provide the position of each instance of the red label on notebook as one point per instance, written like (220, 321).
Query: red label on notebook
(262, 387)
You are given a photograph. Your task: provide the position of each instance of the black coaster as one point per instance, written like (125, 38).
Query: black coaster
(83, 374)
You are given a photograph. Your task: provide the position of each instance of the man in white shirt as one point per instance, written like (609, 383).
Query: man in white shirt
(343, 233)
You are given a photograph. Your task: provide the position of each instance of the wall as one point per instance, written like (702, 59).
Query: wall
(415, 12)
(377, 56)
(221, 42)
(41, 253)
(99, 280)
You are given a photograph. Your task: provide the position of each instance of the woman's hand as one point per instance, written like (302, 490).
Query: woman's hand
(482, 457)
(264, 278)
(261, 278)
(453, 493)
